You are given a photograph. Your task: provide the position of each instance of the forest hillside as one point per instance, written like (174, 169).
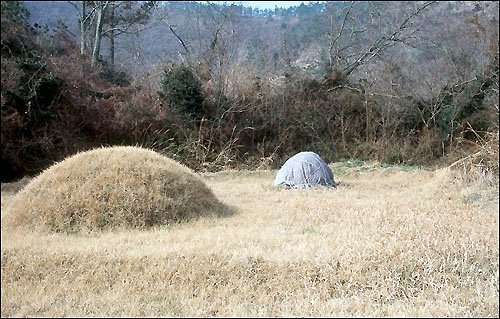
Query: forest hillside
(228, 86)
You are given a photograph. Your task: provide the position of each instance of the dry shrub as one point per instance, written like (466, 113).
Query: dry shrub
(482, 164)
(10, 75)
(422, 148)
(112, 187)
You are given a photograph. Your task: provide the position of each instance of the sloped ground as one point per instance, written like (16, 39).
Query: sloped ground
(110, 188)
(390, 241)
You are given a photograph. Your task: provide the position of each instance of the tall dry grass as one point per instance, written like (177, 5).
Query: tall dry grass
(389, 242)
(482, 164)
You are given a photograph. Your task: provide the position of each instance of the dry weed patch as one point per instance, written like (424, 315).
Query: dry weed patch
(387, 242)
(109, 188)
(483, 163)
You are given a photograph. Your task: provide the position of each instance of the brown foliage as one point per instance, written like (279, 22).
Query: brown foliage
(483, 160)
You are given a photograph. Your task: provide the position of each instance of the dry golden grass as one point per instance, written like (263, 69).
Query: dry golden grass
(121, 186)
(388, 242)
(482, 164)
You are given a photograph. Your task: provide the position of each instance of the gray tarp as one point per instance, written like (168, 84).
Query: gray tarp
(304, 170)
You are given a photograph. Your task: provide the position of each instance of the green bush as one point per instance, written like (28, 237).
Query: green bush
(456, 106)
(14, 15)
(119, 78)
(181, 90)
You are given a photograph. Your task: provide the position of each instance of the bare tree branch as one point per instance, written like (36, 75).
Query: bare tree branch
(171, 28)
(384, 42)
(333, 41)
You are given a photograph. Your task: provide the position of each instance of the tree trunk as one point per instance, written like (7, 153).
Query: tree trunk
(288, 61)
(82, 30)
(112, 38)
(368, 128)
(98, 31)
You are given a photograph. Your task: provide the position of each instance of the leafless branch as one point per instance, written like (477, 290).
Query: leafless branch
(171, 28)
(384, 42)
(333, 41)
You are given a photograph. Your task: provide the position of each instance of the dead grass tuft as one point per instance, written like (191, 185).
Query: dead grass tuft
(112, 187)
(483, 163)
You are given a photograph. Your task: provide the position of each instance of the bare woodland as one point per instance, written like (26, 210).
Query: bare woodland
(225, 86)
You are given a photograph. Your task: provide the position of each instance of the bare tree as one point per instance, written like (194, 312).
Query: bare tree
(112, 18)
(100, 9)
(126, 17)
(344, 52)
(214, 50)
(85, 20)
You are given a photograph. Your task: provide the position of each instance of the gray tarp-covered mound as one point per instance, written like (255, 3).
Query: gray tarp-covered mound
(304, 170)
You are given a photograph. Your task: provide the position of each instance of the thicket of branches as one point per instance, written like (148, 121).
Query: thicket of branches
(214, 111)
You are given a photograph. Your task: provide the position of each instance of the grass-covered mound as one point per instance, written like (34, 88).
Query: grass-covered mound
(112, 187)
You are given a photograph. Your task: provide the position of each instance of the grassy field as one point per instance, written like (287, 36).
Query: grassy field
(390, 241)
